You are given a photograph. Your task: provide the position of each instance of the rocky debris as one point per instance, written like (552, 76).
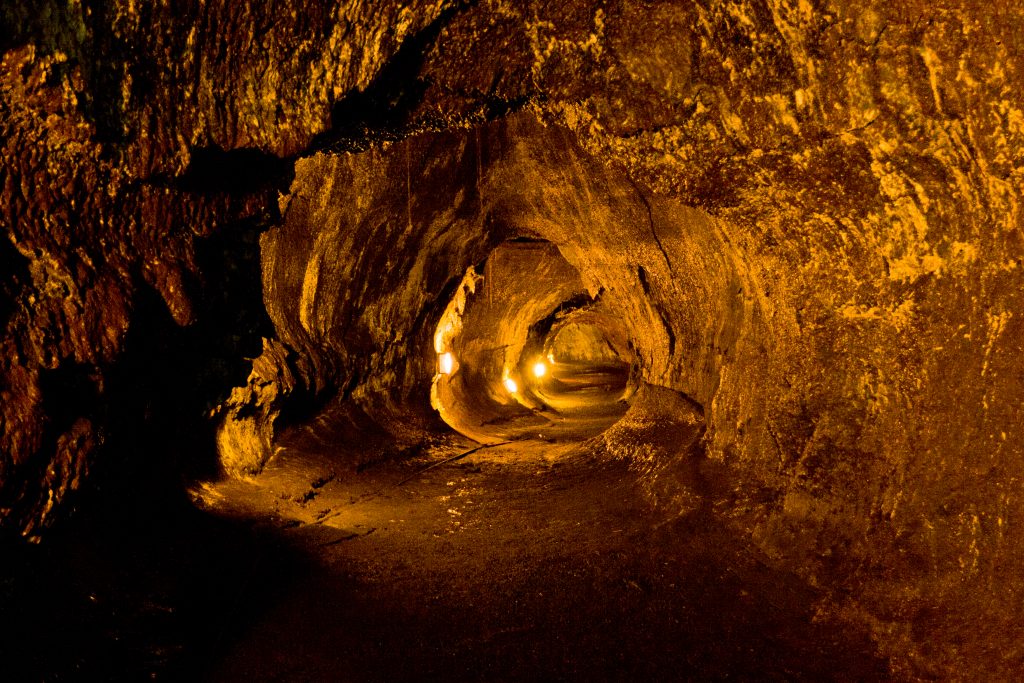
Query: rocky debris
(245, 434)
(660, 437)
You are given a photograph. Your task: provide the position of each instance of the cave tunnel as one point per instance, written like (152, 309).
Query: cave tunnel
(470, 341)
(528, 356)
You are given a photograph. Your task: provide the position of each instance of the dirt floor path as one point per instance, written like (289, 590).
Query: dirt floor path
(519, 563)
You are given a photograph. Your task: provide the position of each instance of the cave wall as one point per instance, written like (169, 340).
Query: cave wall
(370, 249)
(114, 121)
(853, 328)
(372, 244)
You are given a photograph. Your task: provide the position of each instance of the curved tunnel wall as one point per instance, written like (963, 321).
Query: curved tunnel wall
(416, 214)
(371, 247)
(583, 336)
(684, 292)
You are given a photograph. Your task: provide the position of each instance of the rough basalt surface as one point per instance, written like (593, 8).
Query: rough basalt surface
(807, 214)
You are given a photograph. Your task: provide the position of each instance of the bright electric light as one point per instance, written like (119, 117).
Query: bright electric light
(540, 369)
(446, 362)
(510, 384)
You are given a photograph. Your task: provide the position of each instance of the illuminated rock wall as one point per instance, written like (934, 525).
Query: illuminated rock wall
(843, 296)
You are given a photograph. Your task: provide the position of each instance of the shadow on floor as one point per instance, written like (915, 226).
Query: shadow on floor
(143, 595)
(527, 570)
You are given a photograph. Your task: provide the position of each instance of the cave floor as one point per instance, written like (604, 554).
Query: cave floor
(519, 562)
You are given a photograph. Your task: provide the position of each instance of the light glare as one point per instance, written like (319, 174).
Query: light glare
(446, 362)
(511, 385)
(540, 369)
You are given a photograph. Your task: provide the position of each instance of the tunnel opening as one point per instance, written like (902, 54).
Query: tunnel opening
(525, 352)
(454, 296)
(580, 358)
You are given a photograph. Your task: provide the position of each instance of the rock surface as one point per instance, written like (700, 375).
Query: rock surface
(807, 213)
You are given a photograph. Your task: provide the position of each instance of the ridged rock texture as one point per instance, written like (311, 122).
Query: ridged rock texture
(806, 213)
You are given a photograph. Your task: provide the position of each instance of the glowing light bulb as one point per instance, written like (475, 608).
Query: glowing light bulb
(446, 363)
(540, 369)
(510, 384)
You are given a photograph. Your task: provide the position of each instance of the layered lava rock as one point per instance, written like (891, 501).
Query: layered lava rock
(507, 198)
(768, 254)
